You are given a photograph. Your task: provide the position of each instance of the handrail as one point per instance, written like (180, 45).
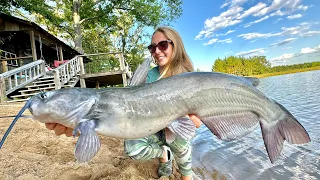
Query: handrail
(66, 71)
(19, 69)
(19, 77)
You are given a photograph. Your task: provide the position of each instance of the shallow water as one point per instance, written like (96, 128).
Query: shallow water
(246, 158)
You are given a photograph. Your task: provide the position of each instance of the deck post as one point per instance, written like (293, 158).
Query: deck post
(122, 68)
(82, 72)
(33, 46)
(57, 81)
(3, 95)
(60, 53)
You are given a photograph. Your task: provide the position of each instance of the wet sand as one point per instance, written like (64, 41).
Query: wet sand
(32, 152)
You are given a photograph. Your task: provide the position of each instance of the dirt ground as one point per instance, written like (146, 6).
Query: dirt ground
(32, 152)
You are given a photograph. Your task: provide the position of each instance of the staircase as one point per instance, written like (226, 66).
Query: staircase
(23, 82)
(43, 84)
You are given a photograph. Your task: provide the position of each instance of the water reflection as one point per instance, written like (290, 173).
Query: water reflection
(247, 158)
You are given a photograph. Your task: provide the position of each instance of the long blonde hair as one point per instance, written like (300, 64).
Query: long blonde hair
(180, 61)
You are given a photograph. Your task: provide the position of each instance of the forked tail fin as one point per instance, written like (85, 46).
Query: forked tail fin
(287, 128)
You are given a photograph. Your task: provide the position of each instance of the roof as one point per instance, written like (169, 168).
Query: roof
(39, 29)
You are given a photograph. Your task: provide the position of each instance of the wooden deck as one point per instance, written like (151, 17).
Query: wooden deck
(105, 79)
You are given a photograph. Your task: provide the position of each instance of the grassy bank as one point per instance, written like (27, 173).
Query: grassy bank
(287, 72)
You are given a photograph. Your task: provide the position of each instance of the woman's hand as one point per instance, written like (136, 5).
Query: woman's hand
(195, 119)
(59, 129)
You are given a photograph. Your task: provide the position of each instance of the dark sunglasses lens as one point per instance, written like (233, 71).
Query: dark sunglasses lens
(152, 48)
(163, 45)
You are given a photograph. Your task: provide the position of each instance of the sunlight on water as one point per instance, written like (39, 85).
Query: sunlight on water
(247, 158)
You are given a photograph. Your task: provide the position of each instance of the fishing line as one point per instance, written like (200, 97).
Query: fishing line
(23, 116)
(27, 105)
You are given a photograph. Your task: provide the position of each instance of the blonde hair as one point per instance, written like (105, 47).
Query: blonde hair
(180, 61)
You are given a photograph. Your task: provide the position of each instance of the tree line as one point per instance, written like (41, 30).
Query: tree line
(256, 65)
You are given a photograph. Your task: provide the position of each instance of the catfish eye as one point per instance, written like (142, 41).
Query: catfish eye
(43, 95)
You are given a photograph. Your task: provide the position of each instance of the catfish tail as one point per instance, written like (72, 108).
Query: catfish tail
(287, 128)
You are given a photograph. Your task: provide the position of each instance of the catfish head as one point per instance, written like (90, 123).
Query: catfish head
(65, 106)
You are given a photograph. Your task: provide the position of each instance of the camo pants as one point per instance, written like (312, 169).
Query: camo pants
(150, 147)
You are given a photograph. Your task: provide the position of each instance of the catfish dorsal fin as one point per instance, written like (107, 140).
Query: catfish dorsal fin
(140, 75)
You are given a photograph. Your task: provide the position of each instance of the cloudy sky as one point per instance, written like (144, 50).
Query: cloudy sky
(285, 31)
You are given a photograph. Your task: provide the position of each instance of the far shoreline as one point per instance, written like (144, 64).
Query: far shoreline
(287, 72)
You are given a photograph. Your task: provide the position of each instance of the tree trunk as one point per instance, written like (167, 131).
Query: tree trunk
(77, 26)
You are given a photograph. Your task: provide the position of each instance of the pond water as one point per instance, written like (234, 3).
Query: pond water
(247, 158)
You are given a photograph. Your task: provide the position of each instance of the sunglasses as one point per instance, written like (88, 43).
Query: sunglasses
(162, 46)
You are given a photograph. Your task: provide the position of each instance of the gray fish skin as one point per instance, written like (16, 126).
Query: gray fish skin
(228, 105)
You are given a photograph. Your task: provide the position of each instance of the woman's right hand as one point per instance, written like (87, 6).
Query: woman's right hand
(59, 129)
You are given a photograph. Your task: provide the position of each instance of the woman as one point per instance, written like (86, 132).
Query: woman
(169, 53)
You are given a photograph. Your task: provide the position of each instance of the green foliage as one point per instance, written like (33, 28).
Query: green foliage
(255, 65)
(242, 66)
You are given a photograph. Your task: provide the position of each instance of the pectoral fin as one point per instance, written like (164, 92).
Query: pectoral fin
(88, 143)
(232, 126)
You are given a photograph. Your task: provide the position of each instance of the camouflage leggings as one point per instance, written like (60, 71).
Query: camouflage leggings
(150, 147)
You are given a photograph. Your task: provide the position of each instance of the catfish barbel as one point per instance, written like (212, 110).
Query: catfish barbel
(228, 105)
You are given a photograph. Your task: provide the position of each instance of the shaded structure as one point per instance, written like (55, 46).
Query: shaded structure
(33, 60)
(24, 42)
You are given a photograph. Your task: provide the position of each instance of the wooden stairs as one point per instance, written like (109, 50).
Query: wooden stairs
(43, 84)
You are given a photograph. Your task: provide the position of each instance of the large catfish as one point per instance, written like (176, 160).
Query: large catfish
(228, 105)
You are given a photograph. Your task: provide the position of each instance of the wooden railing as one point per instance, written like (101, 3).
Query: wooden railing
(19, 77)
(107, 62)
(65, 72)
(11, 58)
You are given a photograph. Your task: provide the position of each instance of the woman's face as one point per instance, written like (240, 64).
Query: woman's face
(162, 57)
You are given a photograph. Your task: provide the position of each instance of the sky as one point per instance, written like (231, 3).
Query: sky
(285, 31)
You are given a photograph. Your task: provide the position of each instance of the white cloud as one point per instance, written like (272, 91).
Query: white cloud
(278, 13)
(305, 50)
(310, 33)
(297, 30)
(282, 57)
(286, 41)
(253, 10)
(226, 41)
(308, 50)
(253, 52)
(295, 16)
(304, 8)
(230, 31)
(235, 14)
(256, 35)
(212, 41)
(225, 19)
(256, 21)
(232, 3)
(286, 5)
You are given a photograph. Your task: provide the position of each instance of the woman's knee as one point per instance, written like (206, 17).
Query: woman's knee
(141, 149)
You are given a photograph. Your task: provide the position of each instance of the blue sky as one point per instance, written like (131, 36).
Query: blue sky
(285, 31)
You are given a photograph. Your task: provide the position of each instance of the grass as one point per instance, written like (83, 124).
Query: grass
(287, 72)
